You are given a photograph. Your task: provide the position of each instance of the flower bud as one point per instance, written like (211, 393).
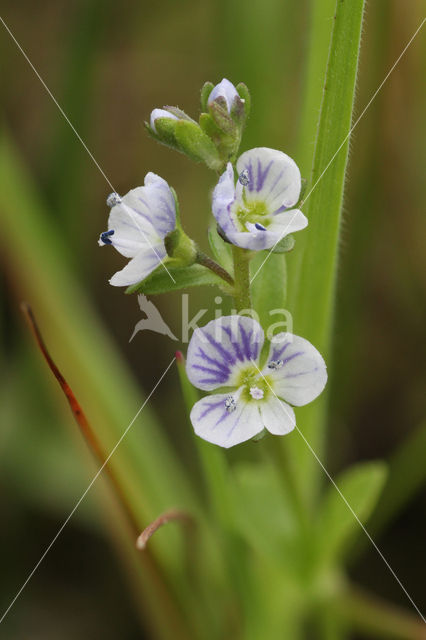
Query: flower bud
(226, 91)
(160, 113)
(174, 128)
(226, 109)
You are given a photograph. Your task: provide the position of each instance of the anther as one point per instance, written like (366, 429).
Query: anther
(105, 235)
(244, 178)
(275, 364)
(259, 226)
(230, 404)
(113, 199)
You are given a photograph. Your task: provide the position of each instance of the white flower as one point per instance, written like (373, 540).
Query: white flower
(137, 225)
(255, 213)
(225, 355)
(160, 113)
(225, 90)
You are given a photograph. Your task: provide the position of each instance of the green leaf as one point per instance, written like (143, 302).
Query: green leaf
(407, 476)
(314, 289)
(263, 515)
(361, 486)
(313, 265)
(268, 290)
(222, 250)
(175, 278)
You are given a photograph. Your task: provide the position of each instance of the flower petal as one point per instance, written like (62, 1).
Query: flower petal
(273, 176)
(140, 266)
(277, 416)
(224, 89)
(212, 421)
(143, 216)
(154, 203)
(131, 232)
(298, 372)
(223, 197)
(288, 222)
(219, 351)
(257, 239)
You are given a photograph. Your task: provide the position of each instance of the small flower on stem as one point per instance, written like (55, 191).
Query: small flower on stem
(225, 354)
(226, 92)
(137, 225)
(256, 211)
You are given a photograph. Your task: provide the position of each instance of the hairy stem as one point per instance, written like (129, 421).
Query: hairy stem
(242, 277)
(209, 263)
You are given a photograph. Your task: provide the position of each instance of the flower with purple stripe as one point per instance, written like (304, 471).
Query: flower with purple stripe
(254, 397)
(137, 225)
(256, 211)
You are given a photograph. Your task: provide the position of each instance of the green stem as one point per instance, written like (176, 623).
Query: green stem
(242, 259)
(209, 263)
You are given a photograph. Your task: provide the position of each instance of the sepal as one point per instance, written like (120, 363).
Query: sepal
(180, 248)
(194, 143)
(205, 92)
(222, 118)
(285, 245)
(244, 94)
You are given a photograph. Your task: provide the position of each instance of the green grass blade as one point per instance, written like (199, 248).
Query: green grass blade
(81, 346)
(314, 286)
(407, 476)
(313, 307)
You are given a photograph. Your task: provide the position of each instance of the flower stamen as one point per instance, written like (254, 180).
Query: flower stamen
(113, 199)
(275, 364)
(244, 178)
(230, 404)
(105, 235)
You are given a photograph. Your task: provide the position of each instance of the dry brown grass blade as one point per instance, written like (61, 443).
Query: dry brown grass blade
(153, 580)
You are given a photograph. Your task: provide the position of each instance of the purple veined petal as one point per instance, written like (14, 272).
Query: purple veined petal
(160, 113)
(277, 416)
(153, 205)
(219, 351)
(224, 89)
(213, 422)
(297, 370)
(273, 177)
(223, 198)
(140, 266)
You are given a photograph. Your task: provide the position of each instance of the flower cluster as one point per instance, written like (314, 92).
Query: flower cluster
(254, 205)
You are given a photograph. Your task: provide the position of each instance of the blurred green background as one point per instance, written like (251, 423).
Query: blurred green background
(108, 65)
